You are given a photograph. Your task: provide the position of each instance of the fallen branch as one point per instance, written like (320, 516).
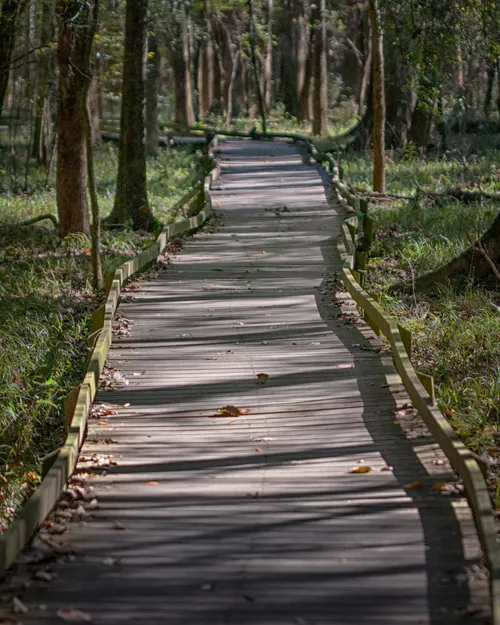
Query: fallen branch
(481, 248)
(34, 220)
(462, 195)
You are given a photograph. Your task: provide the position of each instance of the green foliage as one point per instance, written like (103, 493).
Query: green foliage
(46, 302)
(455, 333)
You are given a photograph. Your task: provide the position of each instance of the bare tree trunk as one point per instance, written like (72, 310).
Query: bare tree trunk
(260, 99)
(45, 71)
(320, 108)
(131, 200)
(305, 93)
(289, 60)
(94, 107)
(378, 97)
(489, 87)
(203, 102)
(268, 66)
(71, 143)
(190, 117)
(230, 90)
(367, 71)
(152, 85)
(244, 86)
(303, 51)
(11, 9)
(92, 185)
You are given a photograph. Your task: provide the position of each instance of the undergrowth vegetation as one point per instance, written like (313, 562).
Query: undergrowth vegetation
(456, 329)
(46, 303)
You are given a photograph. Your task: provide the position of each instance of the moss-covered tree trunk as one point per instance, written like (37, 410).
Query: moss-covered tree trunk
(74, 16)
(378, 135)
(131, 200)
(11, 9)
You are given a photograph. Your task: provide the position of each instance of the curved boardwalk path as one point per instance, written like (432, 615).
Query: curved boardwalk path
(257, 520)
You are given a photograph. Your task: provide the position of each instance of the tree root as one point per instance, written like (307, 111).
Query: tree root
(34, 220)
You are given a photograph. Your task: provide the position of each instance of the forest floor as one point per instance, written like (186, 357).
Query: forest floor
(46, 302)
(455, 331)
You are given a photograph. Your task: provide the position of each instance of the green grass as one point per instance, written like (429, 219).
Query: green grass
(341, 120)
(46, 303)
(455, 331)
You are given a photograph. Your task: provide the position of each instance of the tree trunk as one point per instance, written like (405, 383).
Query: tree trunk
(378, 97)
(72, 96)
(472, 263)
(399, 97)
(45, 71)
(305, 93)
(98, 279)
(489, 88)
(288, 62)
(152, 86)
(320, 108)
(188, 77)
(94, 106)
(421, 124)
(230, 89)
(11, 9)
(131, 200)
(251, 33)
(268, 66)
(244, 87)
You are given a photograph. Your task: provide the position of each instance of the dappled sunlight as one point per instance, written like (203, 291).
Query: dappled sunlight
(253, 515)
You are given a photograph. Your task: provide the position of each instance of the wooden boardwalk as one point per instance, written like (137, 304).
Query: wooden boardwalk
(257, 519)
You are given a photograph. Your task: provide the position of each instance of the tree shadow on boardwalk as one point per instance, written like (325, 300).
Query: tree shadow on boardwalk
(256, 519)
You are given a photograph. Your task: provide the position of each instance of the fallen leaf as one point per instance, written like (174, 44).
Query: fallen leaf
(414, 486)
(230, 411)
(152, 483)
(362, 469)
(73, 616)
(118, 526)
(110, 441)
(18, 607)
(258, 450)
(439, 486)
(103, 423)
(43, 576)
(262, 378)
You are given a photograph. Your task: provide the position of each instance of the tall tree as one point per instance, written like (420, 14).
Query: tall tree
(320, 107)
(131, 200)
(152, 86)
(11, 9)
(378, 97)
(73, 50)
